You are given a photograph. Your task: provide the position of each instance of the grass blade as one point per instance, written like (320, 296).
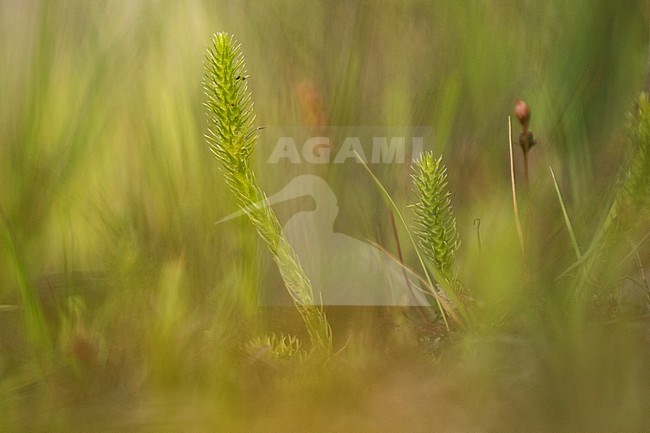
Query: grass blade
(567, 220)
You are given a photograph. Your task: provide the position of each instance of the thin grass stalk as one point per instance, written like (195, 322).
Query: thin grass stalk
(520, 233)
(567, 220)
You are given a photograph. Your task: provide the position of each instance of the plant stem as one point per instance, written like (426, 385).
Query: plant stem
(567, 220)
(520, 233)
(526, 168)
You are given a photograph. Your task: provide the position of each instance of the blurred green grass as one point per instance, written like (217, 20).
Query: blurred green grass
(109, 195)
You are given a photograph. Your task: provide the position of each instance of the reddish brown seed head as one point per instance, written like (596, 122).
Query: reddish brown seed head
(523, 113)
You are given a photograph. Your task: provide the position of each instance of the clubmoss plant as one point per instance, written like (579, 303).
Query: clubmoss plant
(275, 347)
(232, 136)
(635, 181)
(435, 224)
(444, 306)
(632, 194)
(435, 227)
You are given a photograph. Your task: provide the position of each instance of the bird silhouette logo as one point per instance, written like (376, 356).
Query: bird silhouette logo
(343, 270)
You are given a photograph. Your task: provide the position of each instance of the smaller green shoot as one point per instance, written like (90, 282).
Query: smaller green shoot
(635, 183)
(275, 347)
(435, 221)
(435, 226)
(633, 187)
(439, 302)
(450, 286)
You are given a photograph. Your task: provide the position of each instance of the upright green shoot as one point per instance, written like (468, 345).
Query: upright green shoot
(232, 136)
(635, 181)
(435, 226)
(633, 192)
(435, 222)
(442, 306)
